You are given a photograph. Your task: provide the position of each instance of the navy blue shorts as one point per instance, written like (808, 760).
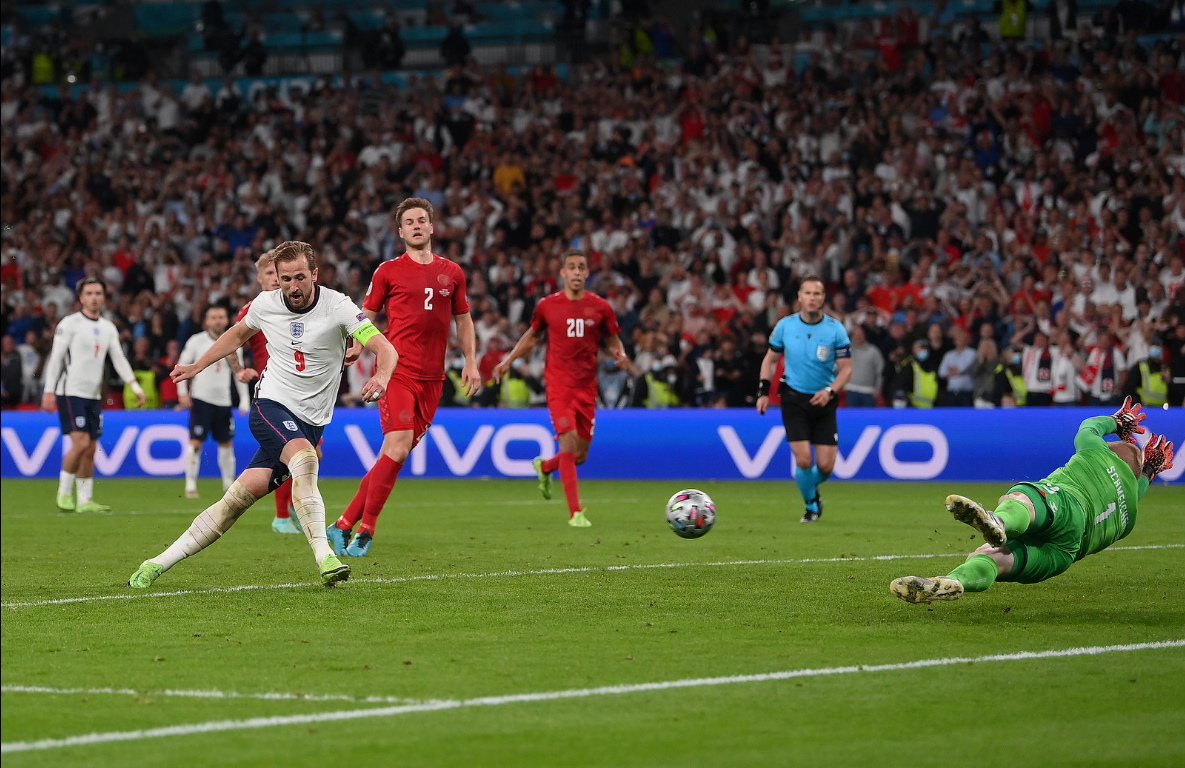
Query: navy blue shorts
(216, 421)
(274, 427)
(78, 414)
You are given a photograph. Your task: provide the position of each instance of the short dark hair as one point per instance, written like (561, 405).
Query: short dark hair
(574, 252)
(84, 282)
(812, 279)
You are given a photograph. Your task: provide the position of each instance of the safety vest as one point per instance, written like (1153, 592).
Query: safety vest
(459, 396)
(1019, 392)
(659, 394)
(925, 387)
(515, 393)
(1013, 19)
(1153, 388)
(147, 381)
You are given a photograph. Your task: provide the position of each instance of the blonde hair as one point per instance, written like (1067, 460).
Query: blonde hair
(263, 261)
(291, 250)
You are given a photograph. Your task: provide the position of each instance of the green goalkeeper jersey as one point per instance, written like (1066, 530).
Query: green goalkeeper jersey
(1102, 483)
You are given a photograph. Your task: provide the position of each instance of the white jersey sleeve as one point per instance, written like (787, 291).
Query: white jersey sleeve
(212, 385)
(306, 351)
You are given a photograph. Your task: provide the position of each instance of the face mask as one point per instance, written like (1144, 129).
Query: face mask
(923, 355)
(672, 378)
(1154, 353)
(1016, 359)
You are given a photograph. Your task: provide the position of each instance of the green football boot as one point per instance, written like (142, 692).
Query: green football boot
(147, 573)
(544, 477)
(66, 502)
(578, 520)
(333, 571)
(94, 507)
(916, 589)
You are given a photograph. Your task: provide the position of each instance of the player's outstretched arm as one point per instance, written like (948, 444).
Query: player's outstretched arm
(768, 363)
(1158, 456)
(522, 348)
(228, 342)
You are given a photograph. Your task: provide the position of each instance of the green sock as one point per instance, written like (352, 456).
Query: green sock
(1015, 516)
(977, 574)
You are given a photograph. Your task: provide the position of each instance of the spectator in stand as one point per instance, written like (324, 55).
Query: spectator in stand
(868, 371)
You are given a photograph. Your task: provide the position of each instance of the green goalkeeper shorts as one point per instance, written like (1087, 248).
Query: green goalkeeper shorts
(1041, 555)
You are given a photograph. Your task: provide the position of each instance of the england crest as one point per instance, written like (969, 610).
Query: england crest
(297, 330)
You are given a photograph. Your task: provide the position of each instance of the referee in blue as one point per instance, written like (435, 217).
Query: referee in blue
(818, 365)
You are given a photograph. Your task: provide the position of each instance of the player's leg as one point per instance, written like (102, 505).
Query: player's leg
(823, 426)
(976, 574)
(572, 444)
(71, 458)
(193, 462)
(84, 481)
(795, 419)
(1021, 509)
(209, 526)
(396, 448)
(223, 432)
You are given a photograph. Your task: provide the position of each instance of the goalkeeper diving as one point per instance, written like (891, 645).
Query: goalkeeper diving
(1038, 530)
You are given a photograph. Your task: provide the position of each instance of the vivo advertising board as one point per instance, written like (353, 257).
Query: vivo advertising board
(691, 445)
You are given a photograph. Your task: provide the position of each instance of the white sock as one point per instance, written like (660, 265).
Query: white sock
(310, 508)
(193, 462)
(226, 463)
(65, 483)
(207, 527)
(86, 489)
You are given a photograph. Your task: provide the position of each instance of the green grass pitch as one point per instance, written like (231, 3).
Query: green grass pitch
(478, 600)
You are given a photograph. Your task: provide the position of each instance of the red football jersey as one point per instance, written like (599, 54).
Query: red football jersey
(575, 330)
(420, 301)
(258, 342)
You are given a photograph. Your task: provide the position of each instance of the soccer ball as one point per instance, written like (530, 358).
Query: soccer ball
(691, 513)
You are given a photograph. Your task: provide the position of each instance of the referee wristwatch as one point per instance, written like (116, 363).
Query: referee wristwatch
(830, 392)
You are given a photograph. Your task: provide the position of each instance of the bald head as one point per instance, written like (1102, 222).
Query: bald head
(1130, 455)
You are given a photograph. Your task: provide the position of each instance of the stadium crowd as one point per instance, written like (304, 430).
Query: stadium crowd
(996, 224)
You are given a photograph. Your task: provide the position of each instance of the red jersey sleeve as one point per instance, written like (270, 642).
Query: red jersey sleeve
(460, 292)
(612, 328)
(376, 292)
(539, 316)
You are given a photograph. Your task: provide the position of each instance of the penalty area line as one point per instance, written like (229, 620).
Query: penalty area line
(206, 694)
(580, 693)
(514, 574)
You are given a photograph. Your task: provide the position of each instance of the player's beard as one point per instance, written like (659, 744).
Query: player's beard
(299, 299)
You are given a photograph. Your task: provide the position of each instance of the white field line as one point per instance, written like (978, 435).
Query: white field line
(328, 507)
(209, 694)
(512, 574)
(580, 693)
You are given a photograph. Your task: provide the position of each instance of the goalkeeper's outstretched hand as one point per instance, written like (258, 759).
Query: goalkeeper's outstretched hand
(1128, 418)
(1158, 456)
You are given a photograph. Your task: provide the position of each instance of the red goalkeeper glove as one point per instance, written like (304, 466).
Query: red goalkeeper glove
(1158, 456)
(1128, 418)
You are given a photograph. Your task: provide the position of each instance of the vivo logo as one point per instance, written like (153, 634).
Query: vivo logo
(461, 460)
(847, 466)
(107, 462)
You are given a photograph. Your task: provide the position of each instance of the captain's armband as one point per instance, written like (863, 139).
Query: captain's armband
(365, 332)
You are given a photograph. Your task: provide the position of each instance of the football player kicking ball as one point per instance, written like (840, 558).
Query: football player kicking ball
(576, 323)
(1038, 530)
(306, 327)
(422, 294)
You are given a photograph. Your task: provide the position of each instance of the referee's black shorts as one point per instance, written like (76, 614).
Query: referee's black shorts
(816, 424)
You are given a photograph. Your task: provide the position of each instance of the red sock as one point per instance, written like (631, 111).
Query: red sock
(385, 472)
(567, 462)
(353, 511)
(551, 465)
(284, 498)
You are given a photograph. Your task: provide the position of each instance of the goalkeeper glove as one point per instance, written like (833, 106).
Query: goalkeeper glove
(1158, 456)
(1128, 418)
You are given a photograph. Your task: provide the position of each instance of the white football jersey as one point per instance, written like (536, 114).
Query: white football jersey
(80, 350)
(213, 384)
(306, 350)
